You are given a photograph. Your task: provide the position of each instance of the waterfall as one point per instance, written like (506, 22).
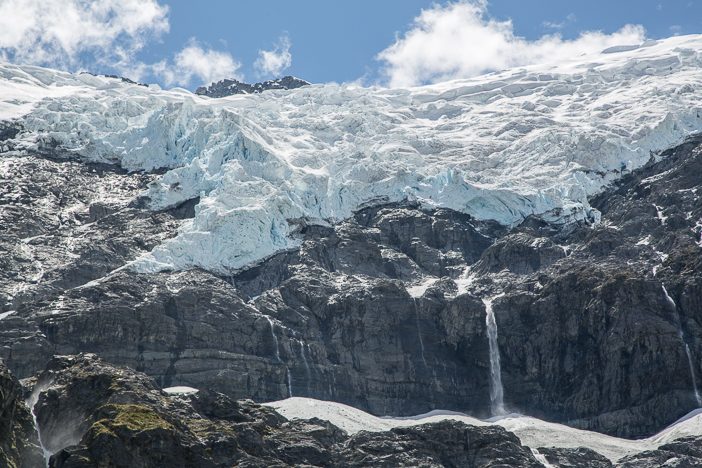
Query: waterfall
(32, 403)
(277, 354)
(419, 331)
(690, 364)
(275, 338)
(541, 458)
(692, 375)
(497, 404)
(307, 366)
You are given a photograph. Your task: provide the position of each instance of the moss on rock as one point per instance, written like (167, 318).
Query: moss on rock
(133, 418)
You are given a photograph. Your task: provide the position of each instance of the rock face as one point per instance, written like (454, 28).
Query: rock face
(683, 453)
(93, 414)
(230, 87)
(19, 446)
(575, 458)
(383, 311)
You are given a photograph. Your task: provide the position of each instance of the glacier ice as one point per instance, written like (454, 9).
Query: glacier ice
(531, 140)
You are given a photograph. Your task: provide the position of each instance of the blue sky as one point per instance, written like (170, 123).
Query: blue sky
(385, 42)
(338, 41)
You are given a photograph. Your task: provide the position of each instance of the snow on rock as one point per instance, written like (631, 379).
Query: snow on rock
(531, 140)
(532, 432)
(180, 390)
(418, 290)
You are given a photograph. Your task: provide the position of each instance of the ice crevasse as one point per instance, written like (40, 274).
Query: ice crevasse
(530, 140)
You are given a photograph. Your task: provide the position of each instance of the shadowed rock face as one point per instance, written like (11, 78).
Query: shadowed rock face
(380, 311)
(685, 452)
(575, 458)
(19, 446)
(126, 421)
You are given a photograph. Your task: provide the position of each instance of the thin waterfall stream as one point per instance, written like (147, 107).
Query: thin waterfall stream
(288, 378)
(307, 365)
(31, 403)
(497, 403)
(690, 364)
(419, 331)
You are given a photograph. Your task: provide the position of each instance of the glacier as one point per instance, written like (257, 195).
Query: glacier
(536, 140)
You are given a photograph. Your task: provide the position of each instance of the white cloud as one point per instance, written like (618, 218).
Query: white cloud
(102, 34)
(193, 61)
(459, 40)
(62, 32)
(273, 62)
(571, 18)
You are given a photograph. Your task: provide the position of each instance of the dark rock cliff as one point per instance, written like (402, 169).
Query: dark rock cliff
(594, 321)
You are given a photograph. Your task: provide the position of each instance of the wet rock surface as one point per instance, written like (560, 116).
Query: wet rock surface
(383, 311)
(19, 446)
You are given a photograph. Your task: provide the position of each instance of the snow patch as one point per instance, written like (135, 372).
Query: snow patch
(4, 315)
(532, 432)
(418, 290)
(180, 390)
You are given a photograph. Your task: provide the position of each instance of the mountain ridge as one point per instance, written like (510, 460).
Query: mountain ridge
(229, 87)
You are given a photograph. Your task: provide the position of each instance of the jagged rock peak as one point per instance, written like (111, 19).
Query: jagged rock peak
(229, 87)
(123, 79)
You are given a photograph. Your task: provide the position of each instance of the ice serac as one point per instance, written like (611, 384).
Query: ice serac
(534, 140)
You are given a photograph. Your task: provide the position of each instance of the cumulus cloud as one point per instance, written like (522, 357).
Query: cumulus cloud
(460, 40)
(103, 34)
(194, 61)
(273, 62)
(62, 32)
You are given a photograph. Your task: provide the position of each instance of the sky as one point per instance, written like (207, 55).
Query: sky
(369, 42)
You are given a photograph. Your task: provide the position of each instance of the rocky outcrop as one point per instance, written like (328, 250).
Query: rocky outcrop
(93, 414)
(383, 311)
(227, 87)
(683, 453)
(19, 446)
(574, 458)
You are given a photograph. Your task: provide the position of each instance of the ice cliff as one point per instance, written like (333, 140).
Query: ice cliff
(532, 140)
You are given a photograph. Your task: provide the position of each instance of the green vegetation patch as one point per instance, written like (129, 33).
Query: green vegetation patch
(134, 418)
